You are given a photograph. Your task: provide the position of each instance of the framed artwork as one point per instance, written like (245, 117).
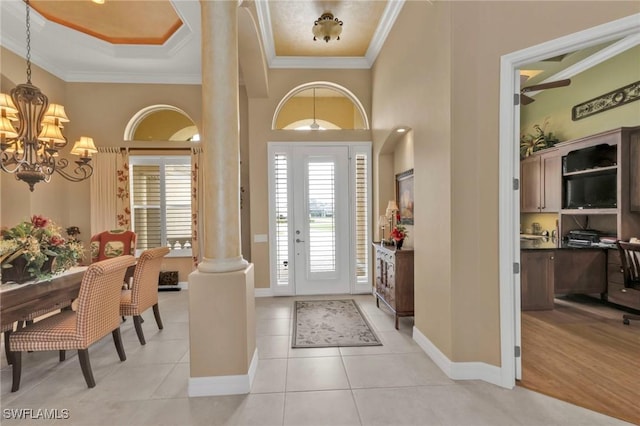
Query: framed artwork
(404, 196)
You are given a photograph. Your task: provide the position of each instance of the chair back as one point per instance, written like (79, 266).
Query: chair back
(114, 243)
(98, 310)
(630, 258)
(144, 290)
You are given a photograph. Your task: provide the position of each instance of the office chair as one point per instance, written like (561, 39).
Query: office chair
(630, 257)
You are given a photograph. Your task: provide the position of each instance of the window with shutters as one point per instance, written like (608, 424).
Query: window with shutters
(161, 201)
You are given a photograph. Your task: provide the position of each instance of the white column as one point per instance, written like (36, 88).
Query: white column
(222, 346)
(220, 138)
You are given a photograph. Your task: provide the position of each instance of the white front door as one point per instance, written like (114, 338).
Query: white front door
(319, 218)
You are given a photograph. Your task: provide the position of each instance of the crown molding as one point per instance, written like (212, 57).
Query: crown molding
(266, 31)
(387, 21)
(325, 62)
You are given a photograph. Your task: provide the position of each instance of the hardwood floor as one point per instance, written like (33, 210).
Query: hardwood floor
(583, 354)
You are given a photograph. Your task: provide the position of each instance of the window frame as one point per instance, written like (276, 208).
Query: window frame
(162, 161)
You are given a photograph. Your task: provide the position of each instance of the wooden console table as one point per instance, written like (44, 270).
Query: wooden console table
(394, 280)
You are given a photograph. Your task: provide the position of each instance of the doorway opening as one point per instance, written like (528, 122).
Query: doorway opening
(509, 203)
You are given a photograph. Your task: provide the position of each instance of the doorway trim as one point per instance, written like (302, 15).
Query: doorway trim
(509, 161)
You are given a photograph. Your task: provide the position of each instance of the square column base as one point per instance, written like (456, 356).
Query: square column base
(222, 340)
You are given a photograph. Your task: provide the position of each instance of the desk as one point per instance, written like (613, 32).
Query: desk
(19, 300)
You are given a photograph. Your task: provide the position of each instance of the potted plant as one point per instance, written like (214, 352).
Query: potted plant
(531, 143)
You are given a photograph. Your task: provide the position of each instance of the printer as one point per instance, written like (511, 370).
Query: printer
(583, 237)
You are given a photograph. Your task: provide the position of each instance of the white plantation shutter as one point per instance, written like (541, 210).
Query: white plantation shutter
(178, 202)
(282, 219)
(321, 200)
(161, 200)
(361, 217)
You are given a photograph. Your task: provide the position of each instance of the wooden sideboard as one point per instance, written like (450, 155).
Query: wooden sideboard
(394, 280)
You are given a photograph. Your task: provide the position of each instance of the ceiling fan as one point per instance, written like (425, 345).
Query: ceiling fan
(526, 100)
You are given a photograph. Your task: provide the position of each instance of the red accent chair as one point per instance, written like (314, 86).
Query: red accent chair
(114, 243)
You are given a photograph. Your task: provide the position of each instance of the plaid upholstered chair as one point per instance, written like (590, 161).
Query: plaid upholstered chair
(108, 244)
(97, 315)
(144, 289)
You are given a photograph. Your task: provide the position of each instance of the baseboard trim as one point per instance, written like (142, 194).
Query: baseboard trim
(458, 370)
(224, 385)
(263, 292)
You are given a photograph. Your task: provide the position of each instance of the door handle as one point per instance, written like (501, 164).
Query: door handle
(298, 240)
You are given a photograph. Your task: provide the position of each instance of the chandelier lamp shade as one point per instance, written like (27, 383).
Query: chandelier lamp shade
(327, 28)
(31, 134)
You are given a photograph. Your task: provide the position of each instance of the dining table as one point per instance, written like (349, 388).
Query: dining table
(17, 301)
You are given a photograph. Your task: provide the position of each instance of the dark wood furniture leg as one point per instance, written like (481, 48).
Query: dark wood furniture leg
(138, 325)
(156, 314)
(117, 339)
(16, 357)
(85, 365)
(63, 355)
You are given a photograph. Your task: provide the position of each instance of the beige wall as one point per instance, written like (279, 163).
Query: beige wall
(447, 92)
(557, 104)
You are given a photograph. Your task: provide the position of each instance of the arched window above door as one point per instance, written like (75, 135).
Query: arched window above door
(318, 106)
(161, 123)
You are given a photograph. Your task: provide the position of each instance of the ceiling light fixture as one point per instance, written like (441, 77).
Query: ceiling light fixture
(30, 149)
(314, 125)
(327, 27)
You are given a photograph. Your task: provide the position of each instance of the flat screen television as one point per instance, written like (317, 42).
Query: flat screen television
(592, 191)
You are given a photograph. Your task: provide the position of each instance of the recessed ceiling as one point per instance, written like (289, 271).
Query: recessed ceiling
(292, 21)
(117, 22)
(158, 41)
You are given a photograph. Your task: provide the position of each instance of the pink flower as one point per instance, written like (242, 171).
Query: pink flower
(39, 221)
(56, 241)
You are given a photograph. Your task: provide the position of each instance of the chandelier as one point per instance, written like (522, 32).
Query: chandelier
(327, 27)
(30, 147)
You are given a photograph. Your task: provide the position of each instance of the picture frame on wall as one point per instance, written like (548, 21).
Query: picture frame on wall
(404, 196)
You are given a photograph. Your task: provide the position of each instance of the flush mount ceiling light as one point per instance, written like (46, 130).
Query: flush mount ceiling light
(327, 27)
(29, 149)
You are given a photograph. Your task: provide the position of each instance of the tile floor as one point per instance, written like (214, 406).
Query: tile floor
(393, 384)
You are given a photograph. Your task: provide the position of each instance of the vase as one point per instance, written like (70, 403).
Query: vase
(399, 244)
(18, 272)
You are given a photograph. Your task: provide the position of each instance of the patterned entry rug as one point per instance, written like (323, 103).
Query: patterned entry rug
(330, 323)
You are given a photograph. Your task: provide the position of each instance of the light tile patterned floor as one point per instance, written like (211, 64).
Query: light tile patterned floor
(393, 384)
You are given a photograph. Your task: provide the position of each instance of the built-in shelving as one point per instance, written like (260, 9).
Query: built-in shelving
(595, 170)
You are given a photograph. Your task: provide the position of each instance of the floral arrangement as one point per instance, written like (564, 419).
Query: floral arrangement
(540, 140)
(399, 232)
(38, 241)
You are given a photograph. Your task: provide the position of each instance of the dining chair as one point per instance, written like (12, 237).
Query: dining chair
(630, 257)
(144, 289)
(108, 244)
(96, 316)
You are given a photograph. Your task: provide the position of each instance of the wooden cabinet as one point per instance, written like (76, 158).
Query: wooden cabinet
(546, 273)
(536, 279)
(540, 183)
(616, 291)
(394, 280)
(580, 271)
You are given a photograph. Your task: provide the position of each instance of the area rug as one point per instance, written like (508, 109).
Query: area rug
(331, 323)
